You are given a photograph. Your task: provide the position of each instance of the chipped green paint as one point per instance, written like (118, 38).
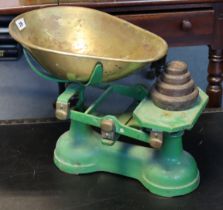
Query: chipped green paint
(148, 115)
(167, 172)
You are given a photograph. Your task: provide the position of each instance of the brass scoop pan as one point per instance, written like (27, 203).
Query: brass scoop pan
(69, 41)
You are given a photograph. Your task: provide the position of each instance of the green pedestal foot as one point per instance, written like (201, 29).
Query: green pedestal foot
(172, 178)
(76, 150)
(172, 171)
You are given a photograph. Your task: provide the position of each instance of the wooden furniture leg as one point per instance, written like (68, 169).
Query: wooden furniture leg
(215, 69)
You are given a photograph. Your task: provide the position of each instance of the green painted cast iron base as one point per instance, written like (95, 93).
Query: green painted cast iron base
(168, 172)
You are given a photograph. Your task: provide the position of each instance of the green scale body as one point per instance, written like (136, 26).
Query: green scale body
(167, 170)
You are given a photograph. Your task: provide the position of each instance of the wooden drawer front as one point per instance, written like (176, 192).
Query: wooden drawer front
(178, 28)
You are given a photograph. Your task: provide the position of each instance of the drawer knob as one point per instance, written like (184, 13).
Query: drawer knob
(186, 25)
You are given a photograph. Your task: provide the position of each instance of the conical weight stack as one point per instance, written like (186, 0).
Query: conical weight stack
(175, 90)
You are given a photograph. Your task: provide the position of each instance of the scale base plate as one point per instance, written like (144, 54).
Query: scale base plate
(167, 172)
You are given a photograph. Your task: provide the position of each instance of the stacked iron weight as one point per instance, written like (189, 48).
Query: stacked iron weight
(175, 90)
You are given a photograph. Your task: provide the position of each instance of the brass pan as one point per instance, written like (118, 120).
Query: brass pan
(69, 41)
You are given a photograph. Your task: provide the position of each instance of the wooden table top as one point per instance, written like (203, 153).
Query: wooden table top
(140, 2)
(19, 6)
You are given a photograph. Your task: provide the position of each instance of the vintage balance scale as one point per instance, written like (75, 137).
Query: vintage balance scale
(84, 47)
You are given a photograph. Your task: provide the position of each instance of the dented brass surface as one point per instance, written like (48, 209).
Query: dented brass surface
(69, 41)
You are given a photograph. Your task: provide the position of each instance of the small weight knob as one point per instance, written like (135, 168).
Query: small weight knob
(175, 90)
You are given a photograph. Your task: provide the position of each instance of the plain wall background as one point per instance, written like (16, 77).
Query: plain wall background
(23, 94)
